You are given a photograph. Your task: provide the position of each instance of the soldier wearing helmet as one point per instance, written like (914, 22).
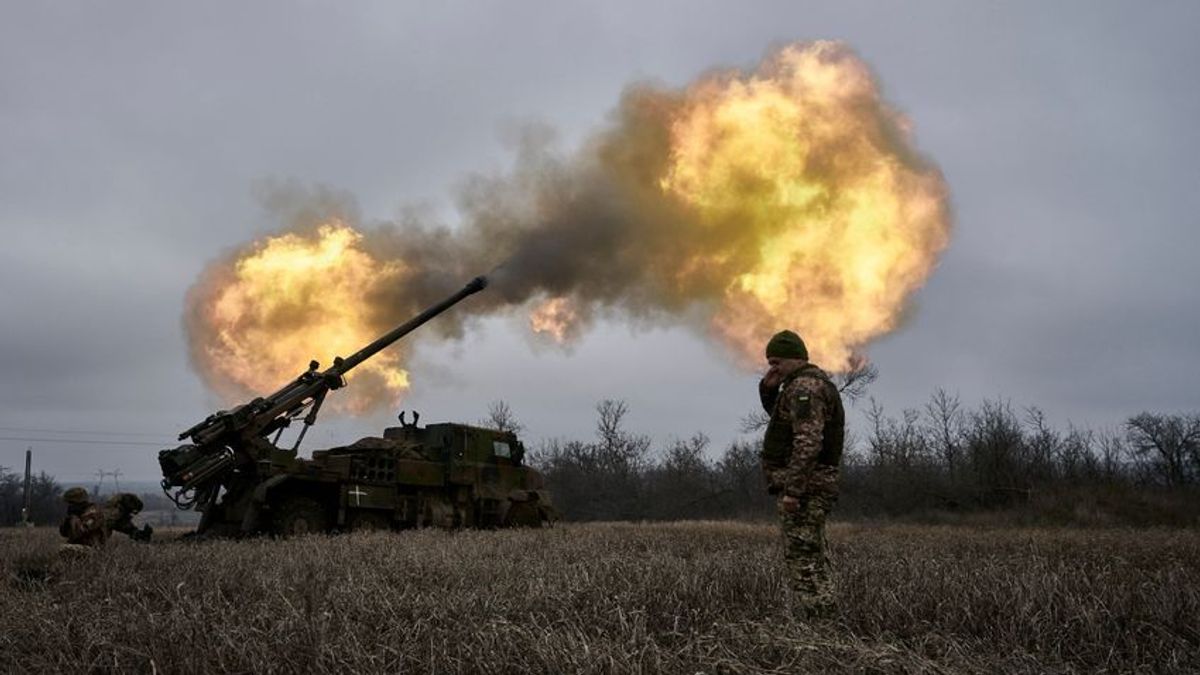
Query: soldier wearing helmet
(802, 449)
(119, 511)
(84, 524)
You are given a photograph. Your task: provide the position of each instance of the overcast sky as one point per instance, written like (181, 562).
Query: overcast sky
(134, 137)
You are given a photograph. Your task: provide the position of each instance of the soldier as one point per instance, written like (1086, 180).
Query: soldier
(118, 516)
(84, 525)
(801, 452)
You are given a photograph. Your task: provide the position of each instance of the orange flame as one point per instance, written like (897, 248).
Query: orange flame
(796, 156)
(293, 298)
(556, 318)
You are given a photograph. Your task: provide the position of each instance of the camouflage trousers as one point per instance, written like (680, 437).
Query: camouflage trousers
(814, 594)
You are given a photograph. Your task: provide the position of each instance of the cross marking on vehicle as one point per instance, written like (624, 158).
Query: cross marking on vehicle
(358, 495)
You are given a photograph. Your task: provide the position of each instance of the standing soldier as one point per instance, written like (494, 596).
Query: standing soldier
(801, 452)
(84, 525)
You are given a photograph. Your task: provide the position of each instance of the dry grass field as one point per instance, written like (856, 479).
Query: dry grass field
(675, 598)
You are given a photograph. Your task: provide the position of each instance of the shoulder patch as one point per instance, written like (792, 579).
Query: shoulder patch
(802, 405)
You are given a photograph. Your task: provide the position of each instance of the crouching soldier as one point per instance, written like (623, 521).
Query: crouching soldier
(84, 526)
(119, 513)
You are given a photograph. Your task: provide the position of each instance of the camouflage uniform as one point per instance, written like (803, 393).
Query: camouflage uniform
(118, 516)
(801, 452)
(85, 523)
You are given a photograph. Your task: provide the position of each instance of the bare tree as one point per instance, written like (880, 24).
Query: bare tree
(740, 471)
(618, 449)
(1112, 450)
(898, 442)
(1042, 445)
(610, 415)
(753, 421)
(1075, 460)
(944, 419)
(994, 444)
(501, 418)
(853, 383)
(1170, 442)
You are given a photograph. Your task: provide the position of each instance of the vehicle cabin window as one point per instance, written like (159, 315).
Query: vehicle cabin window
(501, 449)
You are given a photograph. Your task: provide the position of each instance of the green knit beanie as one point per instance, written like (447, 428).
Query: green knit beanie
(787, 345)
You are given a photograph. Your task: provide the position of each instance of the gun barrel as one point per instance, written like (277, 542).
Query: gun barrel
(269, 414)
(474, 286)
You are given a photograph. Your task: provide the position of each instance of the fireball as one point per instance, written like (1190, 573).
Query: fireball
(290, 299)
(801, 161)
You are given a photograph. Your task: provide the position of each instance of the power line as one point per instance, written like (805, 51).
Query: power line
(79, 441)
(25, 430)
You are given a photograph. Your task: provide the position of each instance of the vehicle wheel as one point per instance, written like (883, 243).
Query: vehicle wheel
(523, 514)
(369, 521)
(300, 515)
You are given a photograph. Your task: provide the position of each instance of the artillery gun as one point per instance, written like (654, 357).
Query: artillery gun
(441, 475)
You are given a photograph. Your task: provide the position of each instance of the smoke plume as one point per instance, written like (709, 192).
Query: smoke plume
(742, 204)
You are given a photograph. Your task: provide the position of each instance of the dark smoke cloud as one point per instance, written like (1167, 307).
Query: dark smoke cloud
(592, 226)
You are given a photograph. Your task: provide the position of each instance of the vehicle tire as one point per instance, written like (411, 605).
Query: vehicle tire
(300, 515)
(365, 520)
(523, 514)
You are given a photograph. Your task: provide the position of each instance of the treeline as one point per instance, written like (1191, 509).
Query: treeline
(45, 498)
(947, 457)
(944, 458)
(618, 476)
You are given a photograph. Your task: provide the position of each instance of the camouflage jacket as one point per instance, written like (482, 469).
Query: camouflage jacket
(802, 447)
(119, 512)
(86, 528)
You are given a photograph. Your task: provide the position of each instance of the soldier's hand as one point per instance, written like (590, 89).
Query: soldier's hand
(771, 378)
(789, 503)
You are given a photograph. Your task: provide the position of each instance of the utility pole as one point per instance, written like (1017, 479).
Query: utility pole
(28, 495)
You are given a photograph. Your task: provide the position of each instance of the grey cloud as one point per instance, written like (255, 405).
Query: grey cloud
(133, 138)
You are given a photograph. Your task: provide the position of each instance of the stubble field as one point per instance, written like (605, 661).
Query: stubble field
(676, 598)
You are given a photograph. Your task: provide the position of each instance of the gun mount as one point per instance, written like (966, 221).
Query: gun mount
(236, 474)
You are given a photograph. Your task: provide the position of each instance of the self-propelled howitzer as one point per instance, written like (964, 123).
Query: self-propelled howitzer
(235, 473)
